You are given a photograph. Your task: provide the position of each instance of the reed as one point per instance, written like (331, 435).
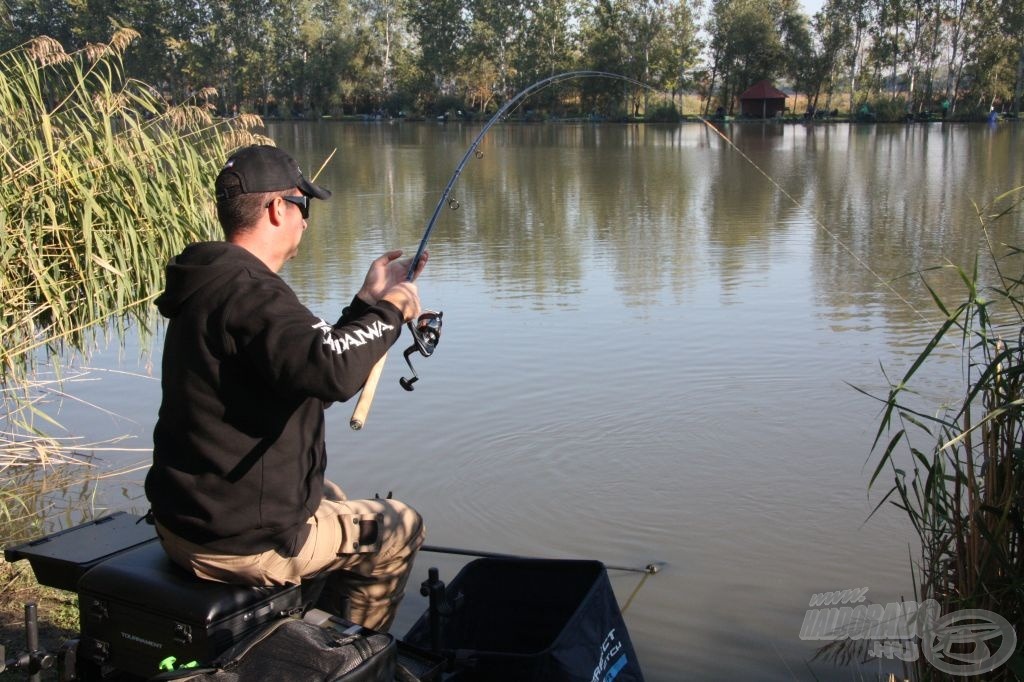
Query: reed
(103, 182)
(964, 493)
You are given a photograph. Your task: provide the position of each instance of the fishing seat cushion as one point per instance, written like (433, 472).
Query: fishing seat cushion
(146, 577)
(140, 612)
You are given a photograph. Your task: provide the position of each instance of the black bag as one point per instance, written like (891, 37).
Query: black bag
(292, 650)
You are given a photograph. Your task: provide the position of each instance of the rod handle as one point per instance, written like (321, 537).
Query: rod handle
(362, 407)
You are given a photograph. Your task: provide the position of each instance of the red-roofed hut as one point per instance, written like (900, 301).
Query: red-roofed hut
(762, 100)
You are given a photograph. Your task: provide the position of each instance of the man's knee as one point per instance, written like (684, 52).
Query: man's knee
(386, 528)
(408, 523)
(409, 517)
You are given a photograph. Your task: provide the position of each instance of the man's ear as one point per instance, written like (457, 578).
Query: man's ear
(276, 209)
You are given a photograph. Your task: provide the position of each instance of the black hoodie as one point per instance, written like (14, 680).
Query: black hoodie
(238, 448)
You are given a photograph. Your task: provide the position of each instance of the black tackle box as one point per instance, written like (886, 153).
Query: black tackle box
(62, 558)
(140, 613)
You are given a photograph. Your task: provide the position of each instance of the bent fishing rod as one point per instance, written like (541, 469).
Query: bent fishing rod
(426, 329)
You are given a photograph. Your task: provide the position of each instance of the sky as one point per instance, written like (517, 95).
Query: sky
(812, 6)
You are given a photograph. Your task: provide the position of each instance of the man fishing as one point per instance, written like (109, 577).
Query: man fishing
(237, 485)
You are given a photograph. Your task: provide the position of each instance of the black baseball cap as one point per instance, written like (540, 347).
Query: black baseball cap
(263, 168)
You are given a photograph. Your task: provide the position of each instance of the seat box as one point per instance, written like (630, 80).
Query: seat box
(62, 558)
(140, 611)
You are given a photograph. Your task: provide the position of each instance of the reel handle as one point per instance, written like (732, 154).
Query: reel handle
(426, 332)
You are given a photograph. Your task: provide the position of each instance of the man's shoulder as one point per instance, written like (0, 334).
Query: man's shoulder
(217, 253)
(227, 261)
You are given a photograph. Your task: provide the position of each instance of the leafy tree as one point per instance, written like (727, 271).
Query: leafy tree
(842, 31)
(174, 50)
(550, 43)
(929, 27)
(890, 48)
(499, 28)
(1012, 19)
(961, 15)
(746, 45)
(677, 47)
(385, 32)
(603, 50)
(26, 19)
(800, 60)
(647, 43)
(316, 56)
(823, 70)
(441, 30)
(991, 74)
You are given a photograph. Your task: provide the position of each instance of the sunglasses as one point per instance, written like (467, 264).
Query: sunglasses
(302, 201)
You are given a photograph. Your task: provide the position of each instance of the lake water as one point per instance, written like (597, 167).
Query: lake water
(648, 355)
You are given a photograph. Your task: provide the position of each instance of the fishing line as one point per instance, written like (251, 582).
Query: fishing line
(508, 106)
(543, 84)
(426, 330)
(636, 590)
(860, 261)
(419, 342)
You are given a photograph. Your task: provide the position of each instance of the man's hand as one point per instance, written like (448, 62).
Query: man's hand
(385, 273)
(406, 297)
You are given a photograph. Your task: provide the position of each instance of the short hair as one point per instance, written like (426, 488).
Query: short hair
(241, 212)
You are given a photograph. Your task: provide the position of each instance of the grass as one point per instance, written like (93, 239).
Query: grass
(29, 495)
(958, 472)
(57, 613)
(104, 182)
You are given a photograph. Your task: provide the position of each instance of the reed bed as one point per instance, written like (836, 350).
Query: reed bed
(965, 494)
(104, 182)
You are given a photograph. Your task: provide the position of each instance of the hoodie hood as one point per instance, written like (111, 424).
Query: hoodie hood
(199, 267)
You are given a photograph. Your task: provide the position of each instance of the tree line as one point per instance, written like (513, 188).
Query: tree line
(309, 58)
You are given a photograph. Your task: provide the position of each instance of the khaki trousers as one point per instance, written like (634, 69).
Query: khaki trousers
(367, 545)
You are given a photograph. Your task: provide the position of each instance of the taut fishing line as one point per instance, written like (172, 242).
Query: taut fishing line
(540, 85)
(817, 222)
(426, 329)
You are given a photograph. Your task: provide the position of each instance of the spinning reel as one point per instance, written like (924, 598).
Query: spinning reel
(426, 332)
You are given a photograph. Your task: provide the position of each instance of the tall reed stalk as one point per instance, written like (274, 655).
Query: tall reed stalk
(965, 494)
(103, 182)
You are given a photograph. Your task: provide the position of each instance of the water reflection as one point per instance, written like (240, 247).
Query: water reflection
(876, 202)
(648, 350)
(655, 348)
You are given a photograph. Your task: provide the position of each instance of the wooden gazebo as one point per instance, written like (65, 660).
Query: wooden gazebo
(762, 100)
